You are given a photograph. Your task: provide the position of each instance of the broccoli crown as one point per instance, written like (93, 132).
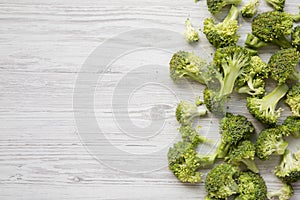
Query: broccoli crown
(186, 111)
(285, 193)
(264, 109)
(293, 99)
(254, 42)
(270, 141)
(225, 33)
(289, 168)
(292, 126)
(282, 65)
(296, 37)
(190, 34)
(220, 182)
(249, 10)
(215, 6)
(277, 4)
(244, 152)
(188, 65)
(251, 187)
(189, 134)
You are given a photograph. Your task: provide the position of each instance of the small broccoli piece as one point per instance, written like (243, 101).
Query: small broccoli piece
(296, 17)
(254, 42)
(250, 9)
(296, 37)
(282, 65)
(220, 182)
(277, 4)
(293, 99)
(270, 141)
(187, 65)
(215, 6)
(233, 129)
(186, 111)
(264, 109)
(251, 187)
(292, 126)
(190, 34)
(285, 193)
(189, 134)
(244, 152)
(224, 33)
(289, 168)
(272, 27)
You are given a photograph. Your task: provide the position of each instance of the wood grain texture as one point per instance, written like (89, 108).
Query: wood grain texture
(43, 45)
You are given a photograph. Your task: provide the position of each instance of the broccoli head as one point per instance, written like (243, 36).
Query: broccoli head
(244, 152)
(293, 99)
(189, 134)
(224, 33)
(270, 141)
(282, 65)
(251, 187)
(277, 4)
(264, 109)
(296, 37)
(190, 34)
(220, 182)
(285, 193)
(254, 42)
(289, 168)
(250, 9)
(186, 111)
(215, 6)
(292, 126)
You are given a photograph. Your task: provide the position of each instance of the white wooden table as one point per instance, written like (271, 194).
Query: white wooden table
(44, 46)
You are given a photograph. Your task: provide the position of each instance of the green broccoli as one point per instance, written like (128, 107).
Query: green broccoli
(270, 141)
(244, 152)
(292, 126)
(293, 99)
(289, 168)
(250, 9)
(186, 111)
(254, 42)
(296, 37)
(277, 4)
(220, 182)
(224, 33)
(285, 193)
(233, 128)
(191, 35)
(189, 134)
(264, 109)
(272, 27)
(251, 186)
(282, 65)
(215, 6)
(187, 65)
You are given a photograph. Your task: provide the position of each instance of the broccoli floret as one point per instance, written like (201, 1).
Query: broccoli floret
(215, 6)
(289, 168)
(187, 65)
(272, 27)
(291, 126)
(293, 99)
(250, 9)
(224, 33)
(296, 37)
(220, 182)
(186, 111)
(190, 34)
(277, 4)
(251, 187)
(270, 141)
(244, 152)
(296, 17)
(282, 65)
(233, 129)
(252, 79)
(285, 193)
(254, 42)
(189, 134)
(264, 109)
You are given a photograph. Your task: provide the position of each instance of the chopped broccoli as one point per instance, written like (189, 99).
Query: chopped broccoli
(270, 141)
(244, 152)
(224, 33)
(272, 27)
(289, 168)
(285, 193)
(215, 6)
(254, 42)
(282, 65)
(191, 35)
(296, 17)
(187, 64)
(292, 126)
(233, 129)
(186, 111)
(250, 9)
(264, 109)
(251, 187)
(296, 37)
(277, 4)
(189, 134)
(293, 99)
(220, 182)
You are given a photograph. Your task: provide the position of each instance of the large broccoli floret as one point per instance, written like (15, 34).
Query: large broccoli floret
(285, 193)
(272, 27)
(250, 9)
(186, 111)
(189, 134)
(282, 65)
(233, 129)
(224, 33)
(220, 182)
(277, 4)
(270, 141)
(215, 6)
(190, 34)
(291, 126)
(254, 42)
(244, 152)
(251, 187)
(296, 37)
(264, 109)
(289, 168)
(293, 99)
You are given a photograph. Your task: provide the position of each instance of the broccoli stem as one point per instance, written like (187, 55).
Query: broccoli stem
(282, 42)
(233, 14)
(251, 165)
(254, 42)
(271, 99)
(281, 147)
